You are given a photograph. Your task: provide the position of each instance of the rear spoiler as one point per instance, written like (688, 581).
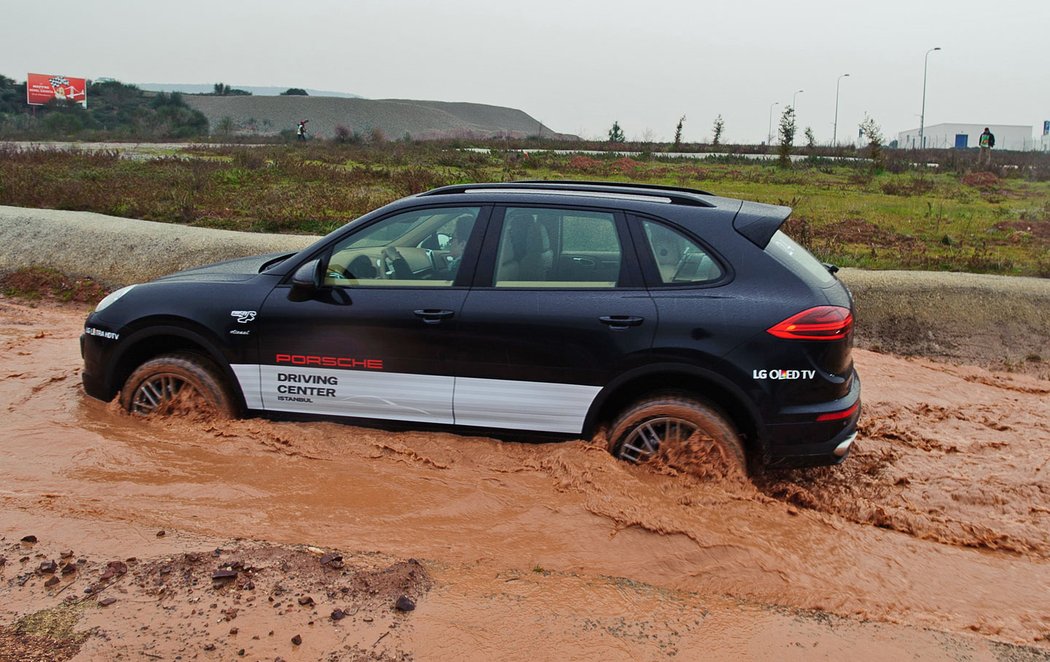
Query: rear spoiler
(759, 222)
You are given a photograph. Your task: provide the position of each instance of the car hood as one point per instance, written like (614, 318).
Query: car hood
(238, 269)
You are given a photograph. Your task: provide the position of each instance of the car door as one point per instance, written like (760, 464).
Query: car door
(543, 332)
(376, 340)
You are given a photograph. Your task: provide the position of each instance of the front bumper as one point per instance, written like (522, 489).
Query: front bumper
(93, 374)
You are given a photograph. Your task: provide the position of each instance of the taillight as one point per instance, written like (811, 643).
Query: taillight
(820, 323)
(839, 415)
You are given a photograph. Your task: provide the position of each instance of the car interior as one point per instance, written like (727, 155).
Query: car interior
(537, 248)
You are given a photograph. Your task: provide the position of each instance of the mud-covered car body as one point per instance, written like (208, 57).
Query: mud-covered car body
(533, 307)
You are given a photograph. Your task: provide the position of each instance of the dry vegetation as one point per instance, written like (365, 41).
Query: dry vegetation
(947, 218)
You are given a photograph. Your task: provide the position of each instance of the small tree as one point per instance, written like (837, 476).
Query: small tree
(872, 132)
(224, 90)
(718, 128)
(811, 141)
(12, 95)
(226, 126)
(342, 134)
(678, 134)
(787, 136)
(67, 117)
(616, 133)
(294, 92)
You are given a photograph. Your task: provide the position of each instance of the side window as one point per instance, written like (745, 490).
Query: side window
(421, 248)
(679, 259)
(558, 248)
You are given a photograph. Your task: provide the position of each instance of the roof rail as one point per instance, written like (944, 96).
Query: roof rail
(581, 182)
(674, 194)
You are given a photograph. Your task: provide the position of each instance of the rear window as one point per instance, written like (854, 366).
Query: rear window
(800, 261)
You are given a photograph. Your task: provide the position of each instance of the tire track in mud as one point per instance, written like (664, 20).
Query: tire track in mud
(947, 474)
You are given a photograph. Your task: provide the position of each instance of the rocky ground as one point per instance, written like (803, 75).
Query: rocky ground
(218, 603)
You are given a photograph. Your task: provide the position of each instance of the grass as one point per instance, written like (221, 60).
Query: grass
(36, 283)
(950, 219)
(44, 635)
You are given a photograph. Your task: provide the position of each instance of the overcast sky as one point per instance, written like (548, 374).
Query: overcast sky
(578, 65)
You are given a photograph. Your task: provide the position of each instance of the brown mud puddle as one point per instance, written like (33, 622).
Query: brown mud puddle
(940, 519)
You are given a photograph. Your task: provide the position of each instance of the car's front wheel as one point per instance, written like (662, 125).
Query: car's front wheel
(180, 383)
(683, 432)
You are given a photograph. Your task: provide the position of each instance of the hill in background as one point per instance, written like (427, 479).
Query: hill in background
(395, 118)
(196, 88)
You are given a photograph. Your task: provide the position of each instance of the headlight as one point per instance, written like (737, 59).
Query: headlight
(112, 297)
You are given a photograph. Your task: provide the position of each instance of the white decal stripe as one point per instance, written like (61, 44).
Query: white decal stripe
(491, 403)
(514, 405)
(358, 393)
(248, 377)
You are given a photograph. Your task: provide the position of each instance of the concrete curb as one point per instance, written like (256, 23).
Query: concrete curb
(992, 319)
(118, 251)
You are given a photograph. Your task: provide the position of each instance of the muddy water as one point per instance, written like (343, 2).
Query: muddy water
(940, 519)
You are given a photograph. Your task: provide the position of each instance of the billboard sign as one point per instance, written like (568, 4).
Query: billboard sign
(42, 88)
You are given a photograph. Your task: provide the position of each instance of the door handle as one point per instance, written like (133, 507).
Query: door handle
(621, 321)
(432, 316)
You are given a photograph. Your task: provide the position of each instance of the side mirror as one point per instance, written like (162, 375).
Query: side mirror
(307, 279)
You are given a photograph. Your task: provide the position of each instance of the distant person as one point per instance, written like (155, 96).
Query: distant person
(986, 142)
(300, 133)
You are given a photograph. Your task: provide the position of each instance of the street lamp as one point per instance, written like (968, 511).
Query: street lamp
(922, 115)
(793, 97)
(835, 130)
(769, 135)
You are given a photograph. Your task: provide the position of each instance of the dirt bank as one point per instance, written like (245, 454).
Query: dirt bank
(930, 542)
(119, 251)
(992, 320)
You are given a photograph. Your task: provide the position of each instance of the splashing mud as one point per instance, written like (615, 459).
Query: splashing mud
(939, 519)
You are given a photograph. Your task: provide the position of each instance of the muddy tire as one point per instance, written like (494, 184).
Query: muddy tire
(177, 384)
(681, 432)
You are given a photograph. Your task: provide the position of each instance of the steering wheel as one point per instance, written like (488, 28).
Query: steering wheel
(394, 265)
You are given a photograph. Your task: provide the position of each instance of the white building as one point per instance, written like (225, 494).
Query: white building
(962, 136)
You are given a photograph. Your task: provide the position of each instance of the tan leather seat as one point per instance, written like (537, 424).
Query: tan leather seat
(525, 252)
(538, 259)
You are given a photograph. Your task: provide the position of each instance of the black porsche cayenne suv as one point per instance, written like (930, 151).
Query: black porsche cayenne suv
(663, 316)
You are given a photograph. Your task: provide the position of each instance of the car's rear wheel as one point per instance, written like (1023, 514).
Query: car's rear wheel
(682, 432)
(181, 383)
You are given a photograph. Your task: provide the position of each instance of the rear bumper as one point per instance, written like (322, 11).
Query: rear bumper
(819, 454)
(843, 449)
(802, 440)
